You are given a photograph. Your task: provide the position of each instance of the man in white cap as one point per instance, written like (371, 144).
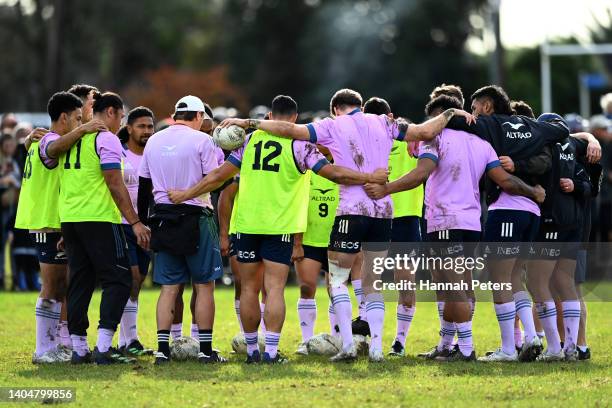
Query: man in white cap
(184, 237)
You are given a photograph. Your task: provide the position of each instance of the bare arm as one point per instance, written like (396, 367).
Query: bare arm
(407, 182)
(64, 143)
(414, 178)
(514, 185)
(212, 181)
(593, 152)
(274, 127)
(428, 130)
(343, 175)
(34, 136)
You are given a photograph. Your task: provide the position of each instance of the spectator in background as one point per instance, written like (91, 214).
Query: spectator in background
(21, 131)
(8, 123)
(25, 259)
(599, 126)
(10, 181)
(162, 124)
(606, 105)
(576, 123)
(23, 250)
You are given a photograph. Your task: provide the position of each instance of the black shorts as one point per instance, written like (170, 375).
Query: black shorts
(255, 247)
(46, 248)
(455, 242)
(318, 254)
(509, 232)
(406, 229)
(351, 231)
(137, 256)
(405, 236)
(553, 243)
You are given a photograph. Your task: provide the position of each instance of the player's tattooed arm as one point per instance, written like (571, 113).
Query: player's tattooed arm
(430, 129)
(274, 127)
(514, 185)
(64, 143)
(253, 123)
(210, 182)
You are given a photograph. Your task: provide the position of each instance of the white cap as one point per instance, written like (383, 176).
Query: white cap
(190, 103)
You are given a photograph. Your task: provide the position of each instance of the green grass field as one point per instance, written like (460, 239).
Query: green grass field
(310, 381)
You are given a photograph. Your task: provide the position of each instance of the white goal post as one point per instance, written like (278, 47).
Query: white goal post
(549, 50)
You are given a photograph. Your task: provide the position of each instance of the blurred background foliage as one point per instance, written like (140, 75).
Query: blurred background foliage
(243, 52)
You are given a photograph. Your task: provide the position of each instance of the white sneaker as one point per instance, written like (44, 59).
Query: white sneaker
(302, 349)
(54, 356)
(499, 355)
(345, 356)
(65, 352)
(548, 356)
(376, 356)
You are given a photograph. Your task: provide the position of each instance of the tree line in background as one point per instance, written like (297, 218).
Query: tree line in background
(243, 52)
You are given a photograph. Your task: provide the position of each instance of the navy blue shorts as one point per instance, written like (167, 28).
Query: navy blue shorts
(252, 248)
(454, 242)
(351, 231)
(406, 229)
(202, 267)
(509, 232)
(553, 243)
(136, 255)
(405, 236)
(318, 254)
(46, 248)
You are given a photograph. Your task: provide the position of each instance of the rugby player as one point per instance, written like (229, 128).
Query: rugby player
(227, 239)
(86, 94)
(139, 128)
(406, 227)
(551, 272)
(38, 212)
(322, 204)
(512, 218)
(92, 199)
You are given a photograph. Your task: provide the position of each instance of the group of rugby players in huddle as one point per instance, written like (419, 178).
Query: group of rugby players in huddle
(382, 177)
